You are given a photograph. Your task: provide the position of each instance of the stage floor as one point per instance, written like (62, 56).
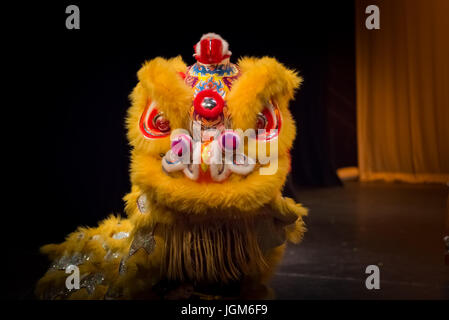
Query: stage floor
(398, 227)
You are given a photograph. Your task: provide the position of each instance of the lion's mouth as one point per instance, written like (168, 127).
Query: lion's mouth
(214, 157)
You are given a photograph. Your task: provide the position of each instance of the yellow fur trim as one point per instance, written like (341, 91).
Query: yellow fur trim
(159, 81)
(291, 213)
(240, 195)
(263, 80)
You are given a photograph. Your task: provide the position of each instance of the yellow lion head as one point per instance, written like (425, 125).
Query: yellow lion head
(183, 119)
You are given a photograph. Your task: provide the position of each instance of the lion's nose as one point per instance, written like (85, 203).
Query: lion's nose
(208, 103)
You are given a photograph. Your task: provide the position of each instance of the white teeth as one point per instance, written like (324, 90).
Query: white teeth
(242, 165)
(192, 171)
(219, 172)
(219, 169)
(171, 163)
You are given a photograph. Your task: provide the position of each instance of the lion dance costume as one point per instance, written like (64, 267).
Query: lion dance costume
(204, 220)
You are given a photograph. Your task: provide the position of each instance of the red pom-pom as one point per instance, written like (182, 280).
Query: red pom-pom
(208, 103)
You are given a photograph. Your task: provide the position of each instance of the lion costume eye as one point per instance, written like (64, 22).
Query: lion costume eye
(269, 119)
(153, 124)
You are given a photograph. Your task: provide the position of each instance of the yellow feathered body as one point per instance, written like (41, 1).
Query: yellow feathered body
(185, 237)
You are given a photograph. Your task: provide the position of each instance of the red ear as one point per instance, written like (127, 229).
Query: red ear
(153, 124)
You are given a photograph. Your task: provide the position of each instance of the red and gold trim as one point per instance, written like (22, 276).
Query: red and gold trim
(153, 124)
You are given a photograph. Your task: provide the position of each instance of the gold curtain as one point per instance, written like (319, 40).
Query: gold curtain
(403, 91)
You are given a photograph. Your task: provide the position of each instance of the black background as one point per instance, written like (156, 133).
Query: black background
(68, 90)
